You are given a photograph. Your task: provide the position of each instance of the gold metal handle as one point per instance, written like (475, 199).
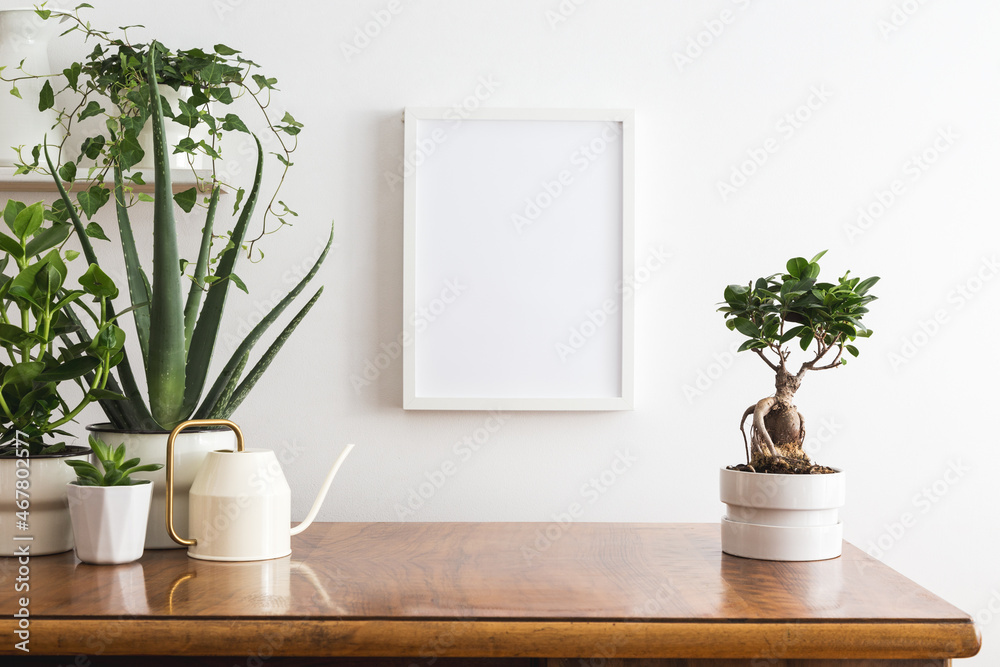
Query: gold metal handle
(170, 468)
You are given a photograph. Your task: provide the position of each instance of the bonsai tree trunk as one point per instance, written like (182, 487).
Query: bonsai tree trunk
(778, 428)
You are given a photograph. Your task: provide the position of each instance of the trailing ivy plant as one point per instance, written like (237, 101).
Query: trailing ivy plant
(36, 319)
(116, 469)
(176, 333)
(112, 85)
(778, 312)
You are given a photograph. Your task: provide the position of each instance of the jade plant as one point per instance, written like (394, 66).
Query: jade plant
(40, 362)
(116, 469)
(176, 328)
(776, 314)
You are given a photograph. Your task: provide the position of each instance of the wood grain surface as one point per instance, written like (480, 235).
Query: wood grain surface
(490, 590)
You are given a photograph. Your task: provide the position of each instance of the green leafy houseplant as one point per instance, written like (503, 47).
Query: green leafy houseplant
(176, 332)
(37, 320)
(774, 313)
(116, 469)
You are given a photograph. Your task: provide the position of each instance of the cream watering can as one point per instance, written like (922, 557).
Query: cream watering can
(240, 504)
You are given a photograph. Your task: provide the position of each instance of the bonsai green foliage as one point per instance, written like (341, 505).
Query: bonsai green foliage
(36, 318)
(176, 332)
(823, 319)
(116, 468)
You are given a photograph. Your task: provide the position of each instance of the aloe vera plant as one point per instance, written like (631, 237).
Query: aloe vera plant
(177, 307)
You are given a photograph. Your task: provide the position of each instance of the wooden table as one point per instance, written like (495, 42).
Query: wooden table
(503, 591)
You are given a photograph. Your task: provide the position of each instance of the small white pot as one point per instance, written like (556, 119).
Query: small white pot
(782, 517)
(109, 522)
(151, 447)
(48, 516)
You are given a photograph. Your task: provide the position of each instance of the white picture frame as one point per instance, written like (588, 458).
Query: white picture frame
(518, 253)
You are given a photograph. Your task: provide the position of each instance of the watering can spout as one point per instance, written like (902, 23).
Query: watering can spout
(322, 492)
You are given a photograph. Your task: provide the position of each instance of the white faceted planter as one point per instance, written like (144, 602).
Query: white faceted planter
(109, 522)
(782, 517)
(151, 447)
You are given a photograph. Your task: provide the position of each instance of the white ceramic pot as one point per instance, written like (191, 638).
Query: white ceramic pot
(48, 514)
(109, 522)
(782, 517)
(25, 36)
(151, 447)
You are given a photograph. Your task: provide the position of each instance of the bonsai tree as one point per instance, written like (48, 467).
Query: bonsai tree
(176, 328)
(35, 324)
(776, 313)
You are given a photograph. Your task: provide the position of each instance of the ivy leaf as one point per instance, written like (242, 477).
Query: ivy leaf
(95, 231)
(239, 283)
(224, 50)
(92, 146)
(223, 95)
(15, 92)
(186, 199)
(72, 74)
(46, 98)
(67, 172)
(233, 122)
(93, 109)
(239, 198)
(264, 82)
(93, 199)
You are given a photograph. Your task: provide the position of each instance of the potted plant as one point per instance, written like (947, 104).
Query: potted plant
(176, 327)
(38, 314)
(109, 509)
(781, 505)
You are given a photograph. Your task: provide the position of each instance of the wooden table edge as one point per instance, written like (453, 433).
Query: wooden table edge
(308, 637)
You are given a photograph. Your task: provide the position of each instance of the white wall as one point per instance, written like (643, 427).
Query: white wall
(887, 93)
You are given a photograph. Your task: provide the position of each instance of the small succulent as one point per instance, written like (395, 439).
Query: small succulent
(116, 468)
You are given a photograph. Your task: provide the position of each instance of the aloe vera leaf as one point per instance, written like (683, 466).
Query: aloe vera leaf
(227, 393)
(165, 367)
(257, 371)
(197, 289)
(138, 288)
(207, 329)
(208, 405)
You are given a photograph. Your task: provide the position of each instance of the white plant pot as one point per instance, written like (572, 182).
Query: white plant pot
(782, 517)
(151, 447)
(25, 36)
(48, 513)
(109, 522)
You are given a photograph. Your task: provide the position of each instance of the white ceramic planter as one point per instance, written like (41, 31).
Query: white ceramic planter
(25, 36)
(191, 448)
(782, 517)
(109, 522)
(48, 514)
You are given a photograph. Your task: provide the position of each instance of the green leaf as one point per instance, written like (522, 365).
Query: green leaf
(233, 122)
(796, 266)
(224, 50)
(105, 395)
(187, 199)
(93, 199)
(746, 327)
(239, 283)
(752, 345)
(11, 210)
(805, 340)
(817, 257)
(27, 222)
(865, 285)
(853, 350)
(10, 246)
(93, 109)
(67, 172)
(92, 146)
(46, 98)
(98, 283)
(15, 92)
(72, 74)
(22, 373)
(95, 231)
(69, 370)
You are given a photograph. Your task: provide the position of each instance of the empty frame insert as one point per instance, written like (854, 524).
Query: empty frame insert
(518, 249)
